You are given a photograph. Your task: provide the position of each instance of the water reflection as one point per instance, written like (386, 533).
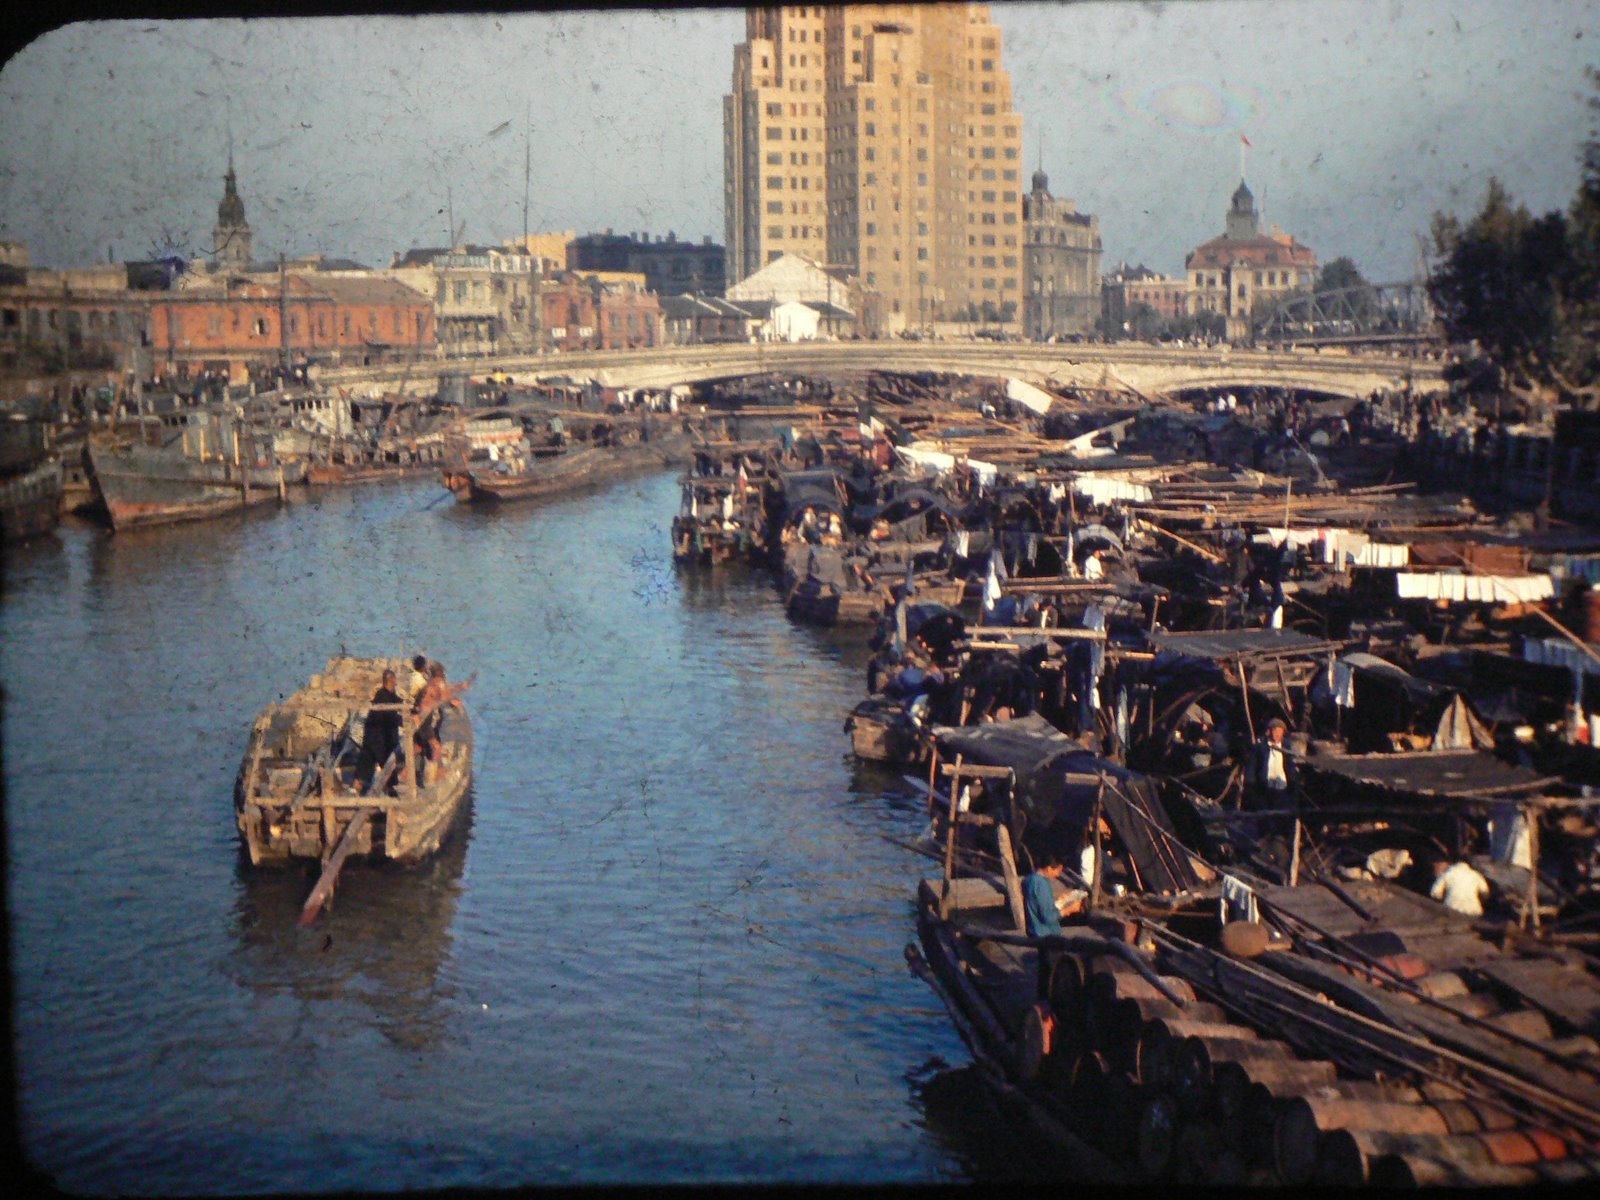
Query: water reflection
(382, 939)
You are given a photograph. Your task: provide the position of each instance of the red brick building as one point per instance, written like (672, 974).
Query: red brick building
(243, 326)
(600, 311)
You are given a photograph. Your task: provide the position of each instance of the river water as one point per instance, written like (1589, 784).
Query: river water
(665, 944)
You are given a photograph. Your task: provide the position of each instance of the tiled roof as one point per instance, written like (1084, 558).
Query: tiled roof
(1253, 252)
(374, 290)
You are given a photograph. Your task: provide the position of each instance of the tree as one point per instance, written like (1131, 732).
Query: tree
(1143, 321)
(1498, 283)
(1527, 288)
(1339, 274)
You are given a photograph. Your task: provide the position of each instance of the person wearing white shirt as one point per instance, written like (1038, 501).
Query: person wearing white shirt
(1460, 888)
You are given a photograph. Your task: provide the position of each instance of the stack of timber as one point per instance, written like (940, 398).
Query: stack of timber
(1488, 1049)
(299, 796)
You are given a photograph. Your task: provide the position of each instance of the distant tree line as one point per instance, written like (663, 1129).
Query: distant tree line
(1526, 288)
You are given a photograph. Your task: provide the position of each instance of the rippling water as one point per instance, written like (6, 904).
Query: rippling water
(665, 946)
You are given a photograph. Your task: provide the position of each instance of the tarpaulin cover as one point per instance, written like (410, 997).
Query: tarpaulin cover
(817, 492)
(1041, 756)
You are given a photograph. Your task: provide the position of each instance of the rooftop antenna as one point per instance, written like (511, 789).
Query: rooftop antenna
(450, 218)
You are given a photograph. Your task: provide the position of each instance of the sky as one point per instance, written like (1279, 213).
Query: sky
(362, 137)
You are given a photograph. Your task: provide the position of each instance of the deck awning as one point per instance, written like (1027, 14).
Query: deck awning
(1232, 643)
(1435, 774)
(1052, 792)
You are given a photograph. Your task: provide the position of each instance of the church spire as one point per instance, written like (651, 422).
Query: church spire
(230, 237)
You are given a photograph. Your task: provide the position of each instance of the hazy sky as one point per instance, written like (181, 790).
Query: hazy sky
(357, 136)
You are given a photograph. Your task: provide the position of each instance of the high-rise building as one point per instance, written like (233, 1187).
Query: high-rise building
(880, 139)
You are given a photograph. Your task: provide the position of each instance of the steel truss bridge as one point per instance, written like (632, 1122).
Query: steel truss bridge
(1375, 314)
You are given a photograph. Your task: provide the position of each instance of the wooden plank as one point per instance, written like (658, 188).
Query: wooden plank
(976, 772)
(330, 873)
(1013, 884)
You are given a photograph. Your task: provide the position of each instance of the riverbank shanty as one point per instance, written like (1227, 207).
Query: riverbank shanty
(1302, 752)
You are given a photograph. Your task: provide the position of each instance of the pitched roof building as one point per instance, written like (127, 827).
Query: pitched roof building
(1244, 268)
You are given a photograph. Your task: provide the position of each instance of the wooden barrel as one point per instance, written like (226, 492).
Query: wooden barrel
(1519, 1147)
(1346, 1157)
(1086, 1086)
(1441, 985)
(1107, 987)
(1195, 1061)
(1468, 1116)
(1195, 1151)
(1158, 1134)
(1579, 1045)
(1230, 1167)
(1124, 1105)
(1415, 1171)
(1529, 1023)
(1236, 1091)
(1569, 1170)
(1406, 966)
(1473, 1004)
(1118, 1031)
(1033, 1044)
(1064, 988)
(1302, 1121)
(1233, 1083)
(1160, 1038)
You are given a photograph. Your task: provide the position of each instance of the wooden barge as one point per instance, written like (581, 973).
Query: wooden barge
(145, 485)
(565, 471)
(298, 794)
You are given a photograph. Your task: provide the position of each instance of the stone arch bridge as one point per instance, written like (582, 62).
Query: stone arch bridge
(1133, 370)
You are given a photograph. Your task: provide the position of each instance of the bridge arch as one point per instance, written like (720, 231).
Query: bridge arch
(1153, 372)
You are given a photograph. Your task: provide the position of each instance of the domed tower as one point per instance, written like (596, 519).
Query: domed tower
(230, 238)
(1243, 220)
(1041, 181)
